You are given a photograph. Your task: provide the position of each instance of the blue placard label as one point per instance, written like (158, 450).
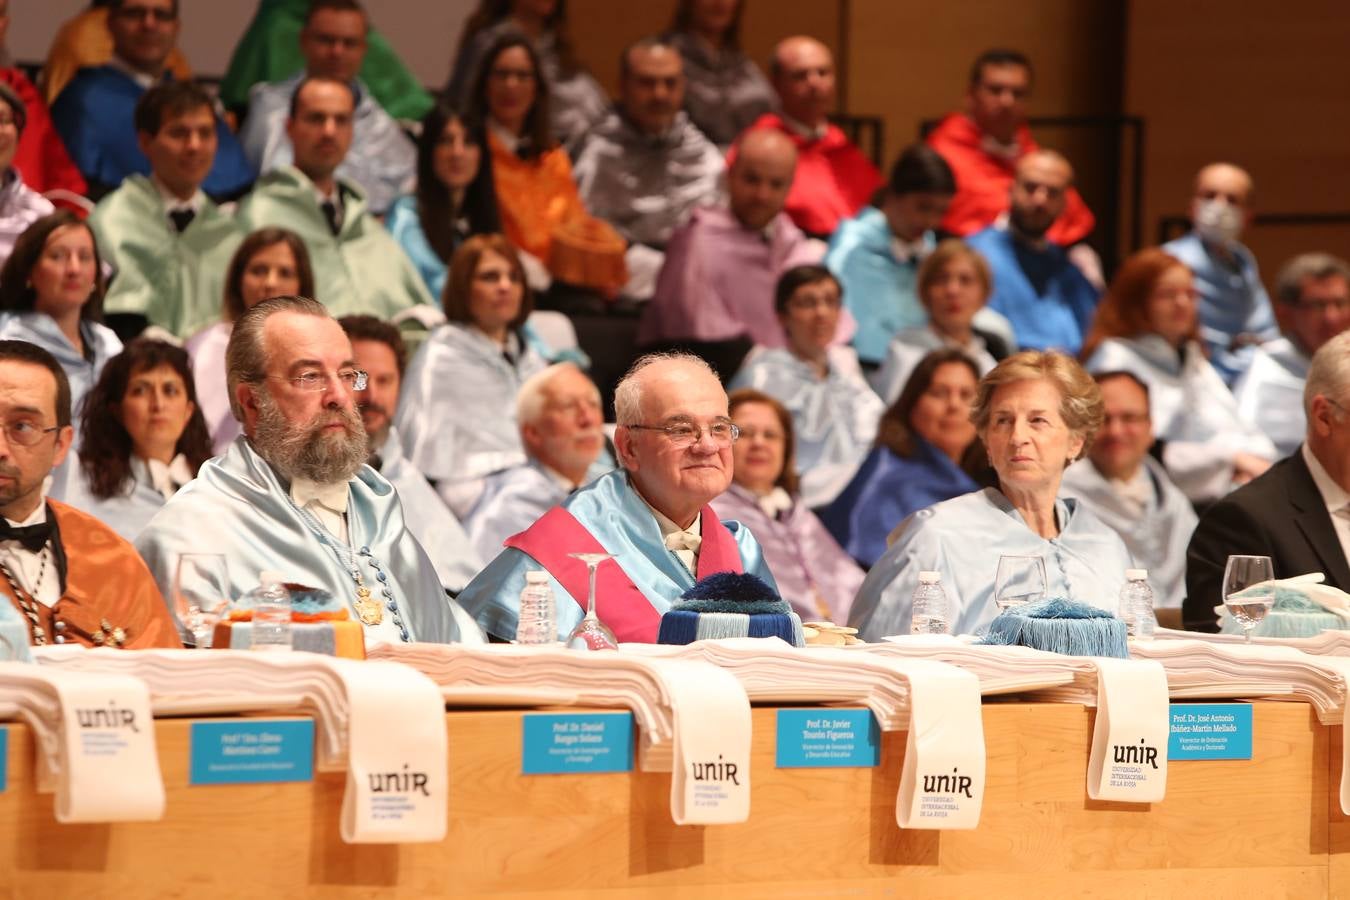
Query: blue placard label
(1210, 731)
(832, 738)
(252, 751)
(555, 744)
(4, 759)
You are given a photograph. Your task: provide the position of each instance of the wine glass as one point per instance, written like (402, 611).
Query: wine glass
(201, 593)
(1020, 579)
(1247, 591)
(591, 633)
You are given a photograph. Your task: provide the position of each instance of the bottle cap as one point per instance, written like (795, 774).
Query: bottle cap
(1136, 574)
(927, 577)
(534, 577)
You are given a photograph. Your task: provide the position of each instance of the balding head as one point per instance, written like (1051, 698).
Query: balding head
(1226, 181)
(1221, 203)
(1040, 187)
(761, 176)
(674, 474)
(803, 75)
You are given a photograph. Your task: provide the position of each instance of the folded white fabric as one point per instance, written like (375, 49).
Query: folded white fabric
(693, 718)
(1212, 669)
(95, 741)
(371, 720)
(1130, 696)
(942, 776)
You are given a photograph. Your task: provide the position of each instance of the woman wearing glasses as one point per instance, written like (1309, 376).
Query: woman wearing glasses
(457, 412)
(143, 437)
(834, 411)
(1148, 325)
(51, 294)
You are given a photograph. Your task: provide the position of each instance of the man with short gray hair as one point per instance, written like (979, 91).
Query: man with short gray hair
(674, 446)
(1312, 305)
(562, 429)
(1298, 512)
(293, 495)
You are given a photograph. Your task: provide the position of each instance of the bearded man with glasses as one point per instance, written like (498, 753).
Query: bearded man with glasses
(69, 576)
(674, 442)
(293, 494)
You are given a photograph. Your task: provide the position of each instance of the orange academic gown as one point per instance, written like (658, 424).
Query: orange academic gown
(106, 582)
(85, 41)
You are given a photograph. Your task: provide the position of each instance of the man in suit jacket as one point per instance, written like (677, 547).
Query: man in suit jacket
(1298, 512)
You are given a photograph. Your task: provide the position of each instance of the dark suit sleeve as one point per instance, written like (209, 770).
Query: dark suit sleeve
(1228, 527)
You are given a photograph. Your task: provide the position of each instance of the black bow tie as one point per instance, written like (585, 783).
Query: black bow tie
(182, 218)
(33, 537)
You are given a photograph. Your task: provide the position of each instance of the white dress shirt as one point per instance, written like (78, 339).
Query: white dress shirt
(327, 502)
(685, 542)
(1334, 496)
(25, 565)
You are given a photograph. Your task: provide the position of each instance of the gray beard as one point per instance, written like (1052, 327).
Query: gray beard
(303, 451)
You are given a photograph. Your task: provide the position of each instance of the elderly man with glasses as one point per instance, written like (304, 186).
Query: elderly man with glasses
(69, 576)
(293, 494)
(674, 442)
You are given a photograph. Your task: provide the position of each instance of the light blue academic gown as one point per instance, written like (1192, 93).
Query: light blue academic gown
(239, 507)
(879, 290)
(382, 158)
(514, 499)
(41, 329)
(616, 515)
(429, 519)
(1270, 393)
(1048, 301)
(95, 116)
(126, 513)
(834, 419)
(963, 538)
(405, 226)
(909, 347)
(1193, 411)
(457, 411)
(1233, 301)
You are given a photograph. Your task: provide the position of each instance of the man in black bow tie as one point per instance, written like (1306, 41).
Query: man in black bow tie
(71, 578)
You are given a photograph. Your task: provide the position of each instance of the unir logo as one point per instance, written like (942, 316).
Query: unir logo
(715, 771)
(405, 782)
(955, 783)
(112, 717)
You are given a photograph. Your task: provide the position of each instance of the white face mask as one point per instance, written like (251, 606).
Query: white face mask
(1217, 221)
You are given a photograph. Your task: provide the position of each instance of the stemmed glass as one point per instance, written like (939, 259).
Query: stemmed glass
(1020, 579)
(591, 633)
(201, 594)
(1247, 591)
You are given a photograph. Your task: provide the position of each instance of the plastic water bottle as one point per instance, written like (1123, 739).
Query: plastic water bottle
(1136, 604)
(929, 612)
(537, 622)
(271, 604)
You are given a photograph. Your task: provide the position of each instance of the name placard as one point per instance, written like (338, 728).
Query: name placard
(828, 738)
(251, 751)
(4, 759)
(1210, 731)
(555, 744)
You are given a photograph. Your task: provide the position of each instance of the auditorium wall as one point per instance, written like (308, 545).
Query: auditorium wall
(1264, 85)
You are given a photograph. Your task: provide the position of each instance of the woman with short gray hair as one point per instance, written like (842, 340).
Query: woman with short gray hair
(1036, 412)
